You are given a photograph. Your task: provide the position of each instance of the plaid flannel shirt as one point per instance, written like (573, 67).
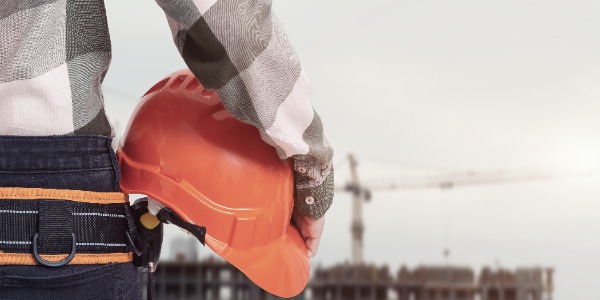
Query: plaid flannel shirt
(54, 55)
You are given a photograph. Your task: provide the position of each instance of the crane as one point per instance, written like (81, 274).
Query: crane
(362, 193)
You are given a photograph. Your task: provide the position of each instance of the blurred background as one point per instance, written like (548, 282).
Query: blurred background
(473, 128)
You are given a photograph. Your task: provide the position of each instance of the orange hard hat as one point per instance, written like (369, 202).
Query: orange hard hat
(185, 150)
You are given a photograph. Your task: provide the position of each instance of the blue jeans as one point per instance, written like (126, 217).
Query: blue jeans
(64, 162)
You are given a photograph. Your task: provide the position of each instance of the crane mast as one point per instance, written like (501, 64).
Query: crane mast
(357, 219)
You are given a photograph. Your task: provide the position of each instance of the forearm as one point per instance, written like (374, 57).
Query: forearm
(239, 48)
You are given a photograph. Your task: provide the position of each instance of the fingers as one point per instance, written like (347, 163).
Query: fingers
(311, 231)
(312, 244)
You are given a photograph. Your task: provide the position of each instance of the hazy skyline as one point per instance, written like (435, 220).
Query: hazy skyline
(476, 85)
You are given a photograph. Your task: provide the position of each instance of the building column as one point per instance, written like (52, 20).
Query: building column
(484, 293)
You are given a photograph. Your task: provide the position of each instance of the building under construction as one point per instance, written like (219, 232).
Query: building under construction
(215, 279)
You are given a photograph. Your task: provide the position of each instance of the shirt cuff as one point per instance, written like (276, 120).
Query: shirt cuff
(313, 194)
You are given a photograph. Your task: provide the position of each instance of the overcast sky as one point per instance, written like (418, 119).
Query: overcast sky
(426, 87)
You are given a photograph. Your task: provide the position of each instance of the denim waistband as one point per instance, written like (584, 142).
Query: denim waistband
(77, 162)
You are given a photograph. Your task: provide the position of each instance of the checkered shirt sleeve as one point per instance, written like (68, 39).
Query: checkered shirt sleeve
(239, 48)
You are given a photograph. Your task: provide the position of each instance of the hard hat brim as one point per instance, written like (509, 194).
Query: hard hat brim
(282, 267)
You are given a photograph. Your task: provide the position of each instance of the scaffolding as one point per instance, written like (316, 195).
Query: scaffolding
(215, 279)
(211, 279)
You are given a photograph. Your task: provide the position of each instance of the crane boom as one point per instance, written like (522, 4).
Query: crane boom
(448, 181)
(362, 193)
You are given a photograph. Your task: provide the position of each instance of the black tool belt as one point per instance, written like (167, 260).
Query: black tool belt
(55, 227)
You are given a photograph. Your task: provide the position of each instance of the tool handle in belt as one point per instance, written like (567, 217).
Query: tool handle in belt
(145, 236)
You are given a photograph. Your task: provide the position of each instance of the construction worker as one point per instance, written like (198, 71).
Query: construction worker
(62, 213)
